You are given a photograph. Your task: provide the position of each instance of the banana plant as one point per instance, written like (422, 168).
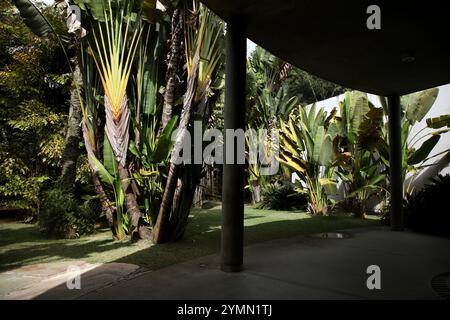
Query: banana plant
(416, 149)
(358, 135)
(306, 147)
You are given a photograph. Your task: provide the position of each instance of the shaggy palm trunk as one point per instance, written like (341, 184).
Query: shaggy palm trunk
(200, 194)
(162, 230)
(104, 202)
(172, 67)
(182, 200)
(73, 136)
(135, 214)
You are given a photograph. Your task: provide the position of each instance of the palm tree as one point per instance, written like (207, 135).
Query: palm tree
(116, 48)
(204, 46)
(172, 66)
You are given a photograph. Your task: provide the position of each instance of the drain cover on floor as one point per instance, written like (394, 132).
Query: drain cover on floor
(331, 235)
(441, 284)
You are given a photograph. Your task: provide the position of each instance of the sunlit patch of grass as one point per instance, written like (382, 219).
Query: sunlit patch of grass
(23, 244)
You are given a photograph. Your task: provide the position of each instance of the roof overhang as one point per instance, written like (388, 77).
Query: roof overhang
(330, 39)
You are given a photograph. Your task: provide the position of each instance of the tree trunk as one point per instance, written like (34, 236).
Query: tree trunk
(182, 201)
(172, 67)
(73, 136)
(139, 230)
(256, 191)
(104, 202)
(199, 194)
(161, 230)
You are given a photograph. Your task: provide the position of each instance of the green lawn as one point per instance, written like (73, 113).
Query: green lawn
(23, 244)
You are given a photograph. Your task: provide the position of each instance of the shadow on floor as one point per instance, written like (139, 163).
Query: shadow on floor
(294, 268)
(202, 238)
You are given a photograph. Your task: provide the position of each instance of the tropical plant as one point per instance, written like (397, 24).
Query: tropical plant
(415, 107)
(282, 196)
(271, 72)
(427, 210)
(175, 52)
(268, 102)
(33, 114)
(116, 41)
(306, 147)
(204, 35)
(64, 217)
(358, 131)
(257, 142)
(42, 27)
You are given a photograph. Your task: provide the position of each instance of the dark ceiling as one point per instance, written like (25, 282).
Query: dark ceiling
(330, 39)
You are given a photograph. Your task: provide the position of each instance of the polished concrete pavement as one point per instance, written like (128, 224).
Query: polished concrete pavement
(297, 268)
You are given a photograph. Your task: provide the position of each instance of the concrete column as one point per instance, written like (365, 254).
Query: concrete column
(233, 173)
(395, 160)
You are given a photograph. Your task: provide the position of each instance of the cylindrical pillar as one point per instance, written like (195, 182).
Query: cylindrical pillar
(232, 250)
(395, 162)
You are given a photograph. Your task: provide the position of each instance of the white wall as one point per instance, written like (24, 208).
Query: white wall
(440, 107)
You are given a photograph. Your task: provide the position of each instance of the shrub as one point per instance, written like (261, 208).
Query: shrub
(427, 211)
(282, 196)
(63, 217)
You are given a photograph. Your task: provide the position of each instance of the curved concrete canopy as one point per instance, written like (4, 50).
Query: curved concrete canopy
(330, 39)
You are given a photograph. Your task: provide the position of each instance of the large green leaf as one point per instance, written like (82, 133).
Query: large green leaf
(439, 122)
(311, 117)
(150, 79)
(165, 143)
(109, 158)
(150, 88)
(104, 175)
(422, 153)
(148, 10)
(417, 105)
(359, 107)
(96, 8)
(335, 128)
(326, 151)
(297, 165)
(318, 140)
(329, 185)
(384, 104)
(33, 18)
(377, 179)
(369, 134)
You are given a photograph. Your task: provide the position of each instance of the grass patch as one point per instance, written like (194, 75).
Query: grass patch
(23, 244)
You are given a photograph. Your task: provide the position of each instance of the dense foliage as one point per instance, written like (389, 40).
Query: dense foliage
(282, 196)
(427, 210)
(34, 84)
(64, 217)
(114, 96)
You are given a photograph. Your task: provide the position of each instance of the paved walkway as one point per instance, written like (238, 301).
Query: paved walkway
(296, 268)
(31, 281)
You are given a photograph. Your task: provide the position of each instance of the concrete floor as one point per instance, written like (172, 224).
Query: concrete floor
(295, 268)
